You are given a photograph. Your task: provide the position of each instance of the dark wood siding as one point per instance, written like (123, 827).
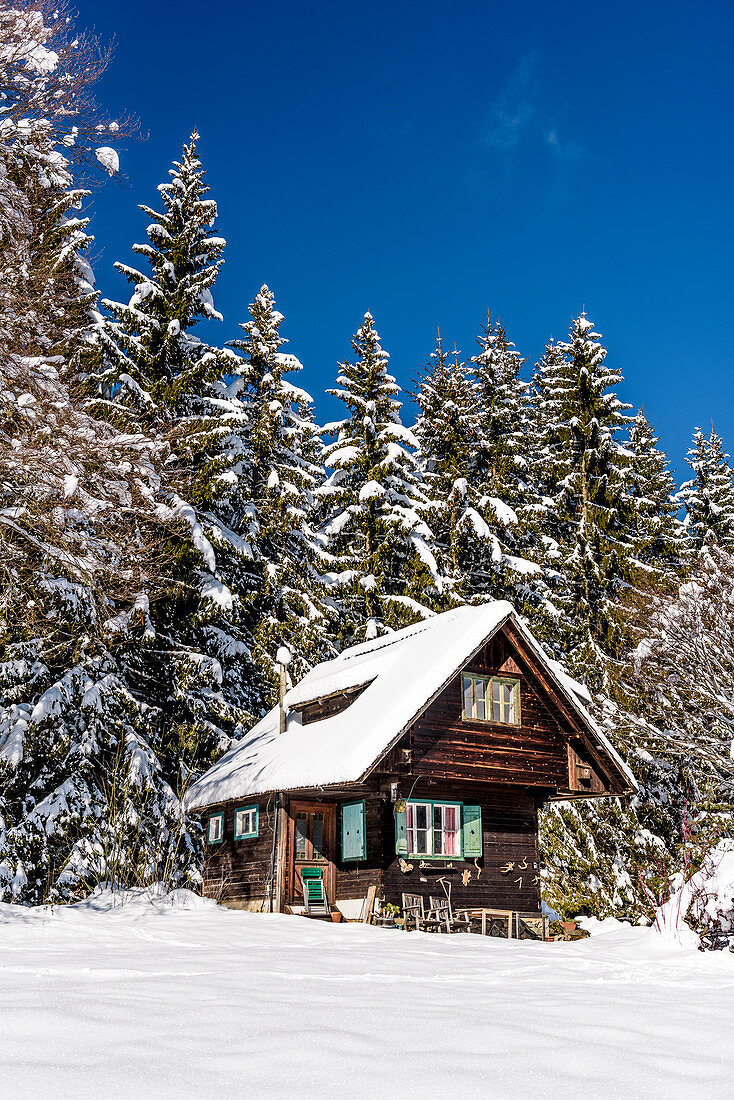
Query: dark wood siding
(584, 776)
(442, 744)
(239, 869)
(509, 836)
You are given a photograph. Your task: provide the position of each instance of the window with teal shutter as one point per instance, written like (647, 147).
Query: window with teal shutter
(472, 831)
(401, 832)
(354, 844)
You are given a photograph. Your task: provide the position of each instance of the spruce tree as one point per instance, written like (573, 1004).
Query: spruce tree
(155, 373)
(82, 795)
(155, 367)
(375, 541)
(267, 495)
(542, 525)
(502, 400)
(652, 524)
(448, 434)
(584, 418)
(674, 726)
(448, 423)
(501, 552)
(613, 528)
(708, 497)
(546, 444)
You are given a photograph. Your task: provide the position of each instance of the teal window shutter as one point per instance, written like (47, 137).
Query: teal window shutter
(354, 844)
(472, 831)
(401, 832)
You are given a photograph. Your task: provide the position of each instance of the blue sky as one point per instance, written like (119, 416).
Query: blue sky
(429, 162)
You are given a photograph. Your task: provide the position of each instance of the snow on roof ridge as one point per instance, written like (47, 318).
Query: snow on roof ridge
(404, 633)
(348, 670)
(344, 746)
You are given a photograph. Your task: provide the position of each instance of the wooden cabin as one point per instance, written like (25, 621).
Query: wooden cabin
(409, 762)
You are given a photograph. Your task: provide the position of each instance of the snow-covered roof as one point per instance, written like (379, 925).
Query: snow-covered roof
(400, 674)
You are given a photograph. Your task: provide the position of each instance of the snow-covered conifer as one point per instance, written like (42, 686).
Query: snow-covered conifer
(708, 497)
(448, 426)
(686, 665)
(674, 726)
(80, 525)
(652, 528)
(448, 434)
(267, 491)
(607, 508)
(584, 418)
(156, 372)
(499, 547)
(376, 542)
(502, 400)
(154, 364)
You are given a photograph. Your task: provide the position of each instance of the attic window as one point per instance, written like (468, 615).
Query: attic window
(329, 705)
(490, 699)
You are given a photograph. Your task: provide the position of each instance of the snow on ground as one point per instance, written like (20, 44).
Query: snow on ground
(182, 998)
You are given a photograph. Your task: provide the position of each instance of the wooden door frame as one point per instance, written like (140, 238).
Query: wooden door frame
(329, 811)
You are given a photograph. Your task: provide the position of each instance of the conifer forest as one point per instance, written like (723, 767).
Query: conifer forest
(172, 512)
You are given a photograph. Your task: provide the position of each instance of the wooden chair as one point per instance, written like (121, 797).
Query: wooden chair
(414, 913)
(413, 910)
(456, 922)
(315, 901)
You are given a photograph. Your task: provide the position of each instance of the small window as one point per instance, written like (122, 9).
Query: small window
(246, 822)
(434, 829)
(309, 835)
(215, 829)
(490, 699)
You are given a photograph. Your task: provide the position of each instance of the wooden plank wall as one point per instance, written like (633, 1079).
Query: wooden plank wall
(443, 744)
(584, 776)
(239, 869)
(510, 836)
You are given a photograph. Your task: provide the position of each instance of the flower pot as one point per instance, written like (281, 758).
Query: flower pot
(336, 916)
(568, 925)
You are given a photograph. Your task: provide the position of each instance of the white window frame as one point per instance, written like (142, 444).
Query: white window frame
(431, 806)
(253, 822)
(488, 681)
(219, 818)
